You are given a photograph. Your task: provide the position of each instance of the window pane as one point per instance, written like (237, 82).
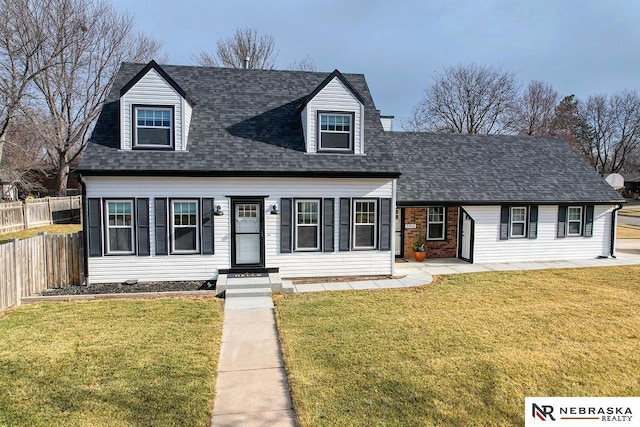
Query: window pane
(436, 231)
(575, 214)
(574, 227)
(517, 229)
(365, 235)
(308, 237)
(436, 214)
(518, 214)
(153, 136)
(120, 240)
(185, 239)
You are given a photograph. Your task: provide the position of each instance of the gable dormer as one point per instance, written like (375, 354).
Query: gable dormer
(155, 113)
(333, 118)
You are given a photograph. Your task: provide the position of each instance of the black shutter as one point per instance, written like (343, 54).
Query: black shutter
(588, 221)
(385, 225)
(142, 227)
(94, 213)
(533, 222)
(562, 222)
(345, 220)
(504, 223)
(328, 224)
(285, 226)
(161, 227)
(207, 226)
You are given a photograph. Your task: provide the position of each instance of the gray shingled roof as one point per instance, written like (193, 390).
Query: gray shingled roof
(244, 122)
(485, 169)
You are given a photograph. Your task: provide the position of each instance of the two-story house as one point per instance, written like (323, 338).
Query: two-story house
(194, 170)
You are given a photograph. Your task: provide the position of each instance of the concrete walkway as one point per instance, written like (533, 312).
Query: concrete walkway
(252, 387)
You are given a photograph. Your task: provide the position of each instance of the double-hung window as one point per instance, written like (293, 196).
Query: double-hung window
(435, 223)
(365, 214)
(307, 231)
(574, 221)
(119, 228)
(184, 226)
(153, 127)
(518, 225)
(336, 132)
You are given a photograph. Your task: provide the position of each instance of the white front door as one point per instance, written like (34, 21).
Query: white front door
(399, 240)
(247, 234)
(466, 236)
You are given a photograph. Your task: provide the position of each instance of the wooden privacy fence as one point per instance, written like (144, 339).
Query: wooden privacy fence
(28, 267)
(16, 216)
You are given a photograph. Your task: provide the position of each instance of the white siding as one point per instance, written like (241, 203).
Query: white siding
(187, 123)
(335, 96)
(152, 89)
(304, 128)
(202, 267)
(488, 247)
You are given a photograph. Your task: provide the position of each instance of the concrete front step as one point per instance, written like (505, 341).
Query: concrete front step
(273, 281)
(247, 292)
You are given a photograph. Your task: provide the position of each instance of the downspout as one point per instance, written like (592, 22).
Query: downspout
(85, 233)
(612, 248)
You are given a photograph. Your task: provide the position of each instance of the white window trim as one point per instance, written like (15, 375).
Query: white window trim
(108, 227)
(296, 225)
(523, 222)
(351, 117)
(173, 227)
(443, 222)
(135, 126)
(580, 221)
(355, 224)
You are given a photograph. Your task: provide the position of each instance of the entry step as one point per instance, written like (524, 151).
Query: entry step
(247, 292)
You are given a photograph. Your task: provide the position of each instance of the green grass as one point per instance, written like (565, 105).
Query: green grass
(465, 350)
(115, 363)
(51, 229)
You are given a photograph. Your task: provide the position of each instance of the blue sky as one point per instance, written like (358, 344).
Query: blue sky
(580, 47)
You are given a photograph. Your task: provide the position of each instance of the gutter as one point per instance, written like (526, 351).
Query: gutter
(612, 247)
(85, 226)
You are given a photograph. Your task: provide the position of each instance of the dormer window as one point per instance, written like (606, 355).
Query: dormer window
(336, 132)
(153, 127)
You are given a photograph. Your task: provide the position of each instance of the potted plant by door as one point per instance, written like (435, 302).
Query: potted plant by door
(419, 251)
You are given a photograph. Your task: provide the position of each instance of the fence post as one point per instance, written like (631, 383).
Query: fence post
(25, 214)
(50, 211)
(17, 276)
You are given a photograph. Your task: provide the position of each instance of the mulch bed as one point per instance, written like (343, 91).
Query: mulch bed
(120, 288)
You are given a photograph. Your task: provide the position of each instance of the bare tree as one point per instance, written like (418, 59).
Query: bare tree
(24, 160)
(305, 64)
(534, 110)
(466, 99)
(614, 130)
(245, 43)
(26, 48)
(73, 89)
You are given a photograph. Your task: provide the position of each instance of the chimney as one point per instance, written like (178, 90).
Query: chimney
(245, 63)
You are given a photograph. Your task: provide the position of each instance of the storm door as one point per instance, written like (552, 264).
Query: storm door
(247, 229)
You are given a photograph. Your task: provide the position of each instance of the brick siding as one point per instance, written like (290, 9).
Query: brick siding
(435, 248)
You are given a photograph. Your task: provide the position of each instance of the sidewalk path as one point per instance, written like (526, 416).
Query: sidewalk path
(252, 387)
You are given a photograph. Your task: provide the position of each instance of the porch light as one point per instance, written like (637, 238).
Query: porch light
(218, 211)
(274, 210)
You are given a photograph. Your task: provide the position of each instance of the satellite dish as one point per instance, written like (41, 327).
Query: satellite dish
(615, 180)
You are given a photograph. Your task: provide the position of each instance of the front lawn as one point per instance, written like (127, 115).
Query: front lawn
(465, 350)
(50, 229)
(628, 231)
(115, 363)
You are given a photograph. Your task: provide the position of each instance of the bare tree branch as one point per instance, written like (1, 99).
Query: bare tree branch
(95, 39)
(466, 99)
(305, 64)
(533, 112)
(245, 43)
